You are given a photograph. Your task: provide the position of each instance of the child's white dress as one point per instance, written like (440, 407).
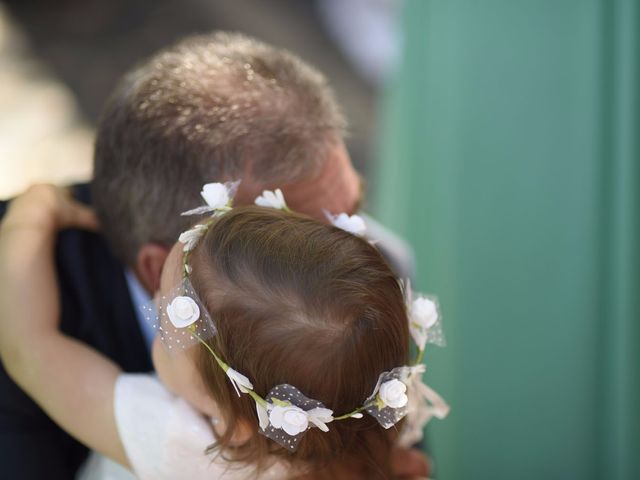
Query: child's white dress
(163, 437)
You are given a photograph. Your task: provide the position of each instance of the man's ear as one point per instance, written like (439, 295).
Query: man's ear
(148, 267)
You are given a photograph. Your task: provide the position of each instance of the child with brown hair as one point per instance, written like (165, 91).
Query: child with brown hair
(283, 347)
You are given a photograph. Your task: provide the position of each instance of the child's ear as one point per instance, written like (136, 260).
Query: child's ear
(242, 433)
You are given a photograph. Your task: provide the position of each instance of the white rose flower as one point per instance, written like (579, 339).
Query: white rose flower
(183, 311)
(424, 312)
(216, 195)
(239, 381)
(271, 199)
(393, 393)
(351, 223)
(293, 420)
(190, 237)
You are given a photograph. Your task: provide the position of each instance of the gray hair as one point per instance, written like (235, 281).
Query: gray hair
(210, 108)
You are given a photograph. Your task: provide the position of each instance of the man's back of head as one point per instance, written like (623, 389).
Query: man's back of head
(210, 108)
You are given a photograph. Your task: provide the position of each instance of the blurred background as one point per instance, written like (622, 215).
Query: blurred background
(59, 61)
(500, 137)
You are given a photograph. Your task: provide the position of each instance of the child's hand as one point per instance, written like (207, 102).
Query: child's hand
(50, 208)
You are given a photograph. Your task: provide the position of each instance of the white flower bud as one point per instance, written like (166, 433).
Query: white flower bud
(191, 237)
(351, 223)
(239, 381)
(320, 417)
(271, 199)
(263, 416)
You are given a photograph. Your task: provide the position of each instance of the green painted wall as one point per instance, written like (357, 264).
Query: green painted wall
(509, 158)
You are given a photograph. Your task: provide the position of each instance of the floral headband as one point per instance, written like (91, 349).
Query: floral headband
(285, 413)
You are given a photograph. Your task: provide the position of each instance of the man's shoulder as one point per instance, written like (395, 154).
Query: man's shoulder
(395, 249)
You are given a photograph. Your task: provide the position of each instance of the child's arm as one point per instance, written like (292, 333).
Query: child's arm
(73, 383)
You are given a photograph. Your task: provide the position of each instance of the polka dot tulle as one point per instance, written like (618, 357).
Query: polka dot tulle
(288, 393)
(177, 339)
(387, 416)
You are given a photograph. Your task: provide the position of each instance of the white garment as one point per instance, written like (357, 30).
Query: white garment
(163, 437)
(99, 467)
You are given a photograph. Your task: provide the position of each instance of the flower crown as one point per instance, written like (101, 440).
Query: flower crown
(285, 413)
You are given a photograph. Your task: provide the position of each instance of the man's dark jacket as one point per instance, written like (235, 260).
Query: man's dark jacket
(96, 308)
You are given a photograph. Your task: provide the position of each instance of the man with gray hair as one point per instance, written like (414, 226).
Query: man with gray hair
(216, 107)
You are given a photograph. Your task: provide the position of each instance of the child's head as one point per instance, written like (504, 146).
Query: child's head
(294, 302)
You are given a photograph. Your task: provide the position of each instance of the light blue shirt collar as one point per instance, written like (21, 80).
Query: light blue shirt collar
(139, 298)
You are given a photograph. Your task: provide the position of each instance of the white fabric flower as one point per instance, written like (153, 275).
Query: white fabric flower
(183, 311)
(239, 381)
(351, 223)
(191, 237)
(320, 417)
(424, 312)
(263, 416)
(272, 199)
(293, 420)
(422, 316)
(393, 393)
(216, 195)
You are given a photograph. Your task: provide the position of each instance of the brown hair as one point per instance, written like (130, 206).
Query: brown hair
(299, 302)
(209, 108)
